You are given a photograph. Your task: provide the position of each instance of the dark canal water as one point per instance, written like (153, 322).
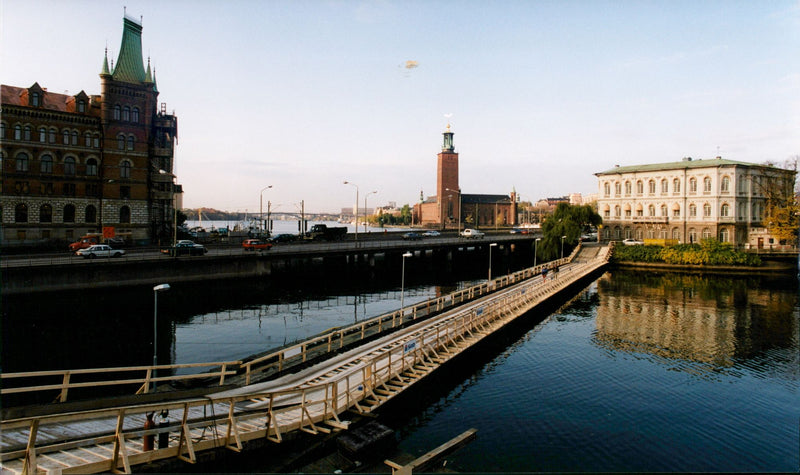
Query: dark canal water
(639, 372)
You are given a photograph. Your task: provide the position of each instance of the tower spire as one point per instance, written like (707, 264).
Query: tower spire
(105, 71)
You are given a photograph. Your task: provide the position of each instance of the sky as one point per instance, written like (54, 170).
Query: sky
(302, 95)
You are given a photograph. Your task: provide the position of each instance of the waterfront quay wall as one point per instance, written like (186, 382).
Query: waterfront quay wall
(332, 263)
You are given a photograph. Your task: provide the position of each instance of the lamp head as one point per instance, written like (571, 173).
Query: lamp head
(161, 287)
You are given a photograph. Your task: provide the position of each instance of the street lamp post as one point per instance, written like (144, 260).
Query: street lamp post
(494, 244)
(156, 290)
(355, 208)
(562, 246)
(459, 206)
(402, 285)
(261, 204)
(365, 210)
(534, 250)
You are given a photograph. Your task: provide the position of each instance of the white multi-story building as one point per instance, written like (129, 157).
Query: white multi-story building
(689, 200)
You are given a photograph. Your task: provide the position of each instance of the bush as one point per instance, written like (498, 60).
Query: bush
(708, 252)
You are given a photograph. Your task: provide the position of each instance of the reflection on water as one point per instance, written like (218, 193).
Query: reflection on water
(690, 317)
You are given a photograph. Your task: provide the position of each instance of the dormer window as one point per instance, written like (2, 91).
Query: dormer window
(36, 99)
(81, 106)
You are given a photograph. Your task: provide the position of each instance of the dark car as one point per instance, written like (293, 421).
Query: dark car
(185, 248)
(283, 238)
(412, 236)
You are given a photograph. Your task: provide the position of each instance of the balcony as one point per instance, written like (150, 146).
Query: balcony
(651, 219)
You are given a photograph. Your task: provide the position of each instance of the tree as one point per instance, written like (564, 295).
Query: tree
(568, 221)
(782, 209)
(405, 215)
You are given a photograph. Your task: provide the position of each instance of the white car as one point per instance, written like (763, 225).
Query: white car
(472, 234)
(632, 242)
(431, 233)
(100, 250)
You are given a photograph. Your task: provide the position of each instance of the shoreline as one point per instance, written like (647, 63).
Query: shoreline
(769, 267)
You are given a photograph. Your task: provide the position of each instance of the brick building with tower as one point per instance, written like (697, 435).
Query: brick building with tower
(450, 207)
(78, 164)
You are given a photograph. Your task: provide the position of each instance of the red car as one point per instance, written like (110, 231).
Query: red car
(256, 244)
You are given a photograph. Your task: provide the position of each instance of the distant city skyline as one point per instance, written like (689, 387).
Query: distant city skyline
(304, 95)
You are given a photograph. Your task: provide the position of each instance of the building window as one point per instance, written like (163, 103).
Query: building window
(22, 187)
(17, 132)
(46, 214)
(74, 138)
(725, 210)
(627, 188)
(651, 210)
(91, 167)
(692, 235)
(724, 235)
(65, 135)
(664, 186)
(81, 106)
(676, 186)
(2, 130)
(617, 211)
(117, 112)
(651, 187)
(707, 210)
(725, 185)
(28, 133)
(69, 213)
(639, 187)
(617, 188)
(42, 135)
(756, 212)
(135, 116)
(22, 162)
(69, 166)
(35, 99)
(607, 189)
(51, 135)
(706, 233)
(46, 188)
(87, 139)
(91, 214)
(46, 164)
(707, 185)
(21, 213)
(125, 215)
(126, 113)
(92, 190)
(120, 142)
(693, 185)
(628, 213)
(676, 234)
(125, 192)
(96, 141)
(676, 212)
(607, 213)
(69, 189)
(130, 142)
(664, 210)
(125, 169)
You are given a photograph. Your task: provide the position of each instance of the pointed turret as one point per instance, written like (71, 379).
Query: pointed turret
(130, 67)
(148, 78)
(105, 71)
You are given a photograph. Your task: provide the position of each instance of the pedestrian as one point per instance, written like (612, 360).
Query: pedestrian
(555, 272)
(544, 274)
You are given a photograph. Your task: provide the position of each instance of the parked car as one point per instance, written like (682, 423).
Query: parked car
(283, 238)
(431, 233)
(412, 236)
(472, 234)
(632, 242)
(256, 245)
(99, 250)
(184, 248)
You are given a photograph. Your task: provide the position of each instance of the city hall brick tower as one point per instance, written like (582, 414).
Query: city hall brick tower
(447, 179)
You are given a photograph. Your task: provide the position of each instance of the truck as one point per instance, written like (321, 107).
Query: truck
(321, 232)
(90, 239)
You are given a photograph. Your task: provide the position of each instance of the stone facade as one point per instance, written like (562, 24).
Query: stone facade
(77, 164)
(688, 201)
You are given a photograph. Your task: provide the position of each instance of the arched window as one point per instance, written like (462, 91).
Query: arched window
(28, 133)
(617, 188)
(676, 186)
(87, 139)
(91, 167)
(724, 235)
(676, 233)
(69, 213)
(706, 233)
(51, 135)
(664, 210)
(756, 212)
(120, 142)
(676, 211)
(627, 188)
(651, 186)
(46, 213)
(2, 130)
(17, 132)
(725, 210)
(707, 210)
(117, 112)
(125, 215)
(639, 187)
(69, 166)
(126, 113)
(651, 210)
(607, 188)
(65, 135)
(46, 164)
(692, 211)
(125, 169)
(74, 137)
(21, 213)
(135, 115)
(130, 142)
(617, 211)
(725, 185)
(91, 214)
(706, 185)
(692, 235)
(96, 141)
(42, 134)
(693, 185)
(664, 186)
(22, 162)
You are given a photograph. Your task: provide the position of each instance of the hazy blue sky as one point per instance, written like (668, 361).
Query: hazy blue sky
(302, 95)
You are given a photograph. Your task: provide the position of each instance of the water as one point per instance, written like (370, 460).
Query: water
(640, 372)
